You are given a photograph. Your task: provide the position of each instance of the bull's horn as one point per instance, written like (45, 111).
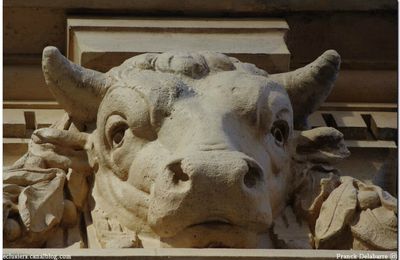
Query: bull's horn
(309, 86)
(78, 90)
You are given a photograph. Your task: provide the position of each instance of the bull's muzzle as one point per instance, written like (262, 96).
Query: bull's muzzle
(210, 189)
(242, 171)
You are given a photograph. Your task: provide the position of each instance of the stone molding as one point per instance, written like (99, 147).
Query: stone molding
(209, 254)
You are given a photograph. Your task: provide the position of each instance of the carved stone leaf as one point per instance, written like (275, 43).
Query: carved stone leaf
(308, 191)
(327, 185)
(337, 211)
(376, 229)
(11, 192)
(25, 177)
(380, 197)
(41, 205)
(387, 200)
(10, 199)
(7, 207)
(317, 186)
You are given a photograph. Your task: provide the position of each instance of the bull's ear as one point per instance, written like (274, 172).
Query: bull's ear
(320, 145)
(309, 86)
(78, 90)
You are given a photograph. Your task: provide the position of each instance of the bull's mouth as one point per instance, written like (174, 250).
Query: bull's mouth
(214, 234)
(213, 223)
(217, 232)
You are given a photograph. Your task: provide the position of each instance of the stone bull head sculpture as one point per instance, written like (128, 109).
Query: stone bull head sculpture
(189, 150)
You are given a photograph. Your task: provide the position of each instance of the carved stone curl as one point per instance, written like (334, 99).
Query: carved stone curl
(190, 149)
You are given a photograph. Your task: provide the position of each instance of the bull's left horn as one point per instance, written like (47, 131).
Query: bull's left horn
(78, 90)
(309, 86)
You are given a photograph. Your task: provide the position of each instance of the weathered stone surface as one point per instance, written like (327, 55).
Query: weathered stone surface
(351, 124)
(70, 215)
(368, 199)
(377, 228)
(358, 216)
(12, 230)
(312, 191)
(194, 254)
(384, 125)
(18, 80)
(29, 176)
(290, 233)
(190, 149)
(40, 205)
(321, 145)
(74, 237)
(387, 176)
(111, 234)
(360, 86)
(337, 211)
(78, 188)
(308, 88)
(57, 239)
(129, 37)
(14, 123)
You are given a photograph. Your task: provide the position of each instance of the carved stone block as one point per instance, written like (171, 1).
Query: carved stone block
(191, 149)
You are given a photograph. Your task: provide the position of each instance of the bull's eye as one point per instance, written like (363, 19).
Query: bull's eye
(117, 134)
(116, 127)
(280, 131)
(278, 135)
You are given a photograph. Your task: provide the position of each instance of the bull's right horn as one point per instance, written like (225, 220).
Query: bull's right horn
(78, 90)
(309, 86)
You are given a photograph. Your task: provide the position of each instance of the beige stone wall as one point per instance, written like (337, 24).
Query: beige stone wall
(363, 32)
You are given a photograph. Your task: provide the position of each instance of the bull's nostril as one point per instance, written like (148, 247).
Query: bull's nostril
(178, 173)
(252, 176)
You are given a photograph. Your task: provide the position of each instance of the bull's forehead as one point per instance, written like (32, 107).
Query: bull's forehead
(248, 95)
(251, 96)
